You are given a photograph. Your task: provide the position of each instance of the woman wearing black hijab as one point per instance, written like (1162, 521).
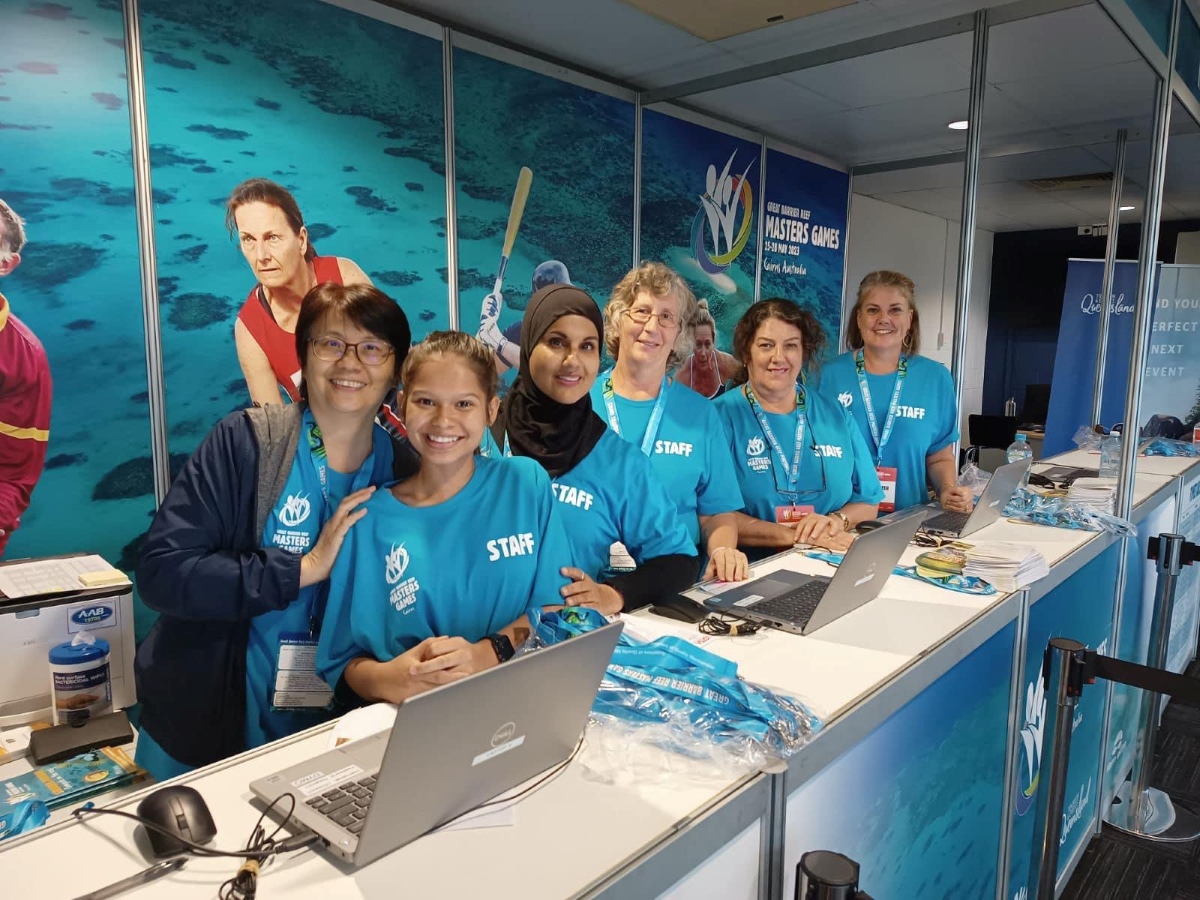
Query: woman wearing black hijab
(606, 488)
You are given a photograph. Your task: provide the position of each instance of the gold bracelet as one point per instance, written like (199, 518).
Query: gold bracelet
(845, 520)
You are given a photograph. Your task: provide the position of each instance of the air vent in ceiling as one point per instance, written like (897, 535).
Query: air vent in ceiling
(716, 21)
(1072, 182)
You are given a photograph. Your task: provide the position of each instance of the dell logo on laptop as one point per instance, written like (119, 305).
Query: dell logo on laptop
(504, 734)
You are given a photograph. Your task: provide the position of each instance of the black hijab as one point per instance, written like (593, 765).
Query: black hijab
(557, 435)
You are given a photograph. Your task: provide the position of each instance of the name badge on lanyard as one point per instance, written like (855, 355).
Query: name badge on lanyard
(791, 513)
(887, 474)
(297, 685)
(619, 558)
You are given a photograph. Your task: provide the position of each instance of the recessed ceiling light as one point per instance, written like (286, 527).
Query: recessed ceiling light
(1127, 208)
(960, 125)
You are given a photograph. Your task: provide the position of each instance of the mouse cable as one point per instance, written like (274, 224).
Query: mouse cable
(734, 627)
(244, 883)
(285, 846)
(557, 770)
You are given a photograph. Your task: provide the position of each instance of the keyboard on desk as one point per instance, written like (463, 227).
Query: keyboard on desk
(796, 606)
(952, 522)
(346, 805)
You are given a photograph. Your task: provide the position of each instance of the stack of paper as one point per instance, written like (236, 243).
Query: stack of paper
(1097, 494)
(1007, 567)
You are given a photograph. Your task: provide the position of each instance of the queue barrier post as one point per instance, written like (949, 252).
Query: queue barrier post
(1145, 811)
(823, 875)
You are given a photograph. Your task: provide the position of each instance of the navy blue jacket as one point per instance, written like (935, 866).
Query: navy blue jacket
(203, 570)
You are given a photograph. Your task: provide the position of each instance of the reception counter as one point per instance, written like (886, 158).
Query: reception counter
(922, 773)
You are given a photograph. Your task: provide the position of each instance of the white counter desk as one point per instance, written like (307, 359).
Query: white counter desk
(913, 775)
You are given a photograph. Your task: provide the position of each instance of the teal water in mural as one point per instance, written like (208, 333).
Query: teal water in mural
(344, 110)
(66, 169)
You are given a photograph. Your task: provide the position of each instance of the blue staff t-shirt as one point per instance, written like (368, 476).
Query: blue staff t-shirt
(294, 525)
(835, 465)
(926, 417)
(466, 567)
(689, 454)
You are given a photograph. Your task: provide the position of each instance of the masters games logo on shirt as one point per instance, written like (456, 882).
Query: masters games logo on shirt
(755, 448)
(403, 595)
(295, 510)
(845, 398)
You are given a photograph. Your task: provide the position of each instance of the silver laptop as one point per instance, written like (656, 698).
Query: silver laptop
(450, 750)
(802, 603)
(1000, 488)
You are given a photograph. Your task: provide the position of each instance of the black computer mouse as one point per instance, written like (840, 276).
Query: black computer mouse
(182, 812)
(673, 606)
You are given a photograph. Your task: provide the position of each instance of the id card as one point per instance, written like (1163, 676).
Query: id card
(887, 479)
(297, 685)
(791, 514)
(620, 560)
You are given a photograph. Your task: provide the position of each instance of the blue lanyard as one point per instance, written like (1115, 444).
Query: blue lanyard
(320, 462)
(872, 422)
(792, 472)
(614, 420)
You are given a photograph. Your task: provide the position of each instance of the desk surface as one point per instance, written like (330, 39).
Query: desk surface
(575, 832)
(553, 851)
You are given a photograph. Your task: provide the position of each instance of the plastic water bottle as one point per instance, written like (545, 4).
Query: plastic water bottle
(1110, 455)
(1017, 450)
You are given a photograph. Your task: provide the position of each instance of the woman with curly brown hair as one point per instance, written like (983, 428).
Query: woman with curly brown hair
(805, 472)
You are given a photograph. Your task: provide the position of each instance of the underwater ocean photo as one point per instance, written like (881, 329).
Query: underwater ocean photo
(578, 145)
(343, 110)
(676, 226)
(66, 169)
(893, 802)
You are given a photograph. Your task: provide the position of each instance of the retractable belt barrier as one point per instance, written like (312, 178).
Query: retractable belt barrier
(1068, 666)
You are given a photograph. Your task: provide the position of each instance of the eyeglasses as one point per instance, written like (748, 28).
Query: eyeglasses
(369, 353)
(805, 492)
(641, 316)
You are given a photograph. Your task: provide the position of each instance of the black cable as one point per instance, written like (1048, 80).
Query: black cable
(537, 784)
(720, 625)
(286, 846)
(244, 884)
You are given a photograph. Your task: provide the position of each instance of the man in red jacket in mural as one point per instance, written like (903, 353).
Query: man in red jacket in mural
(24, 393)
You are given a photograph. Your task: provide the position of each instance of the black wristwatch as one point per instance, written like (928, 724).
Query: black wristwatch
(503, 647)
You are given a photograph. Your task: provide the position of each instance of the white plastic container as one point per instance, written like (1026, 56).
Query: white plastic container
(80, 685)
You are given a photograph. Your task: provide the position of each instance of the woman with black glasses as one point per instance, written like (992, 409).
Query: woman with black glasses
(803, 467)
(237, 559)
(648, 331)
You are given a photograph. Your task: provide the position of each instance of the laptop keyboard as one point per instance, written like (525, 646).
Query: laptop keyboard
(346, 805)
(946, 521)
(796, 606)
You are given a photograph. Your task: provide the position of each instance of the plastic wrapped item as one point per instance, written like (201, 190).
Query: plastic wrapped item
(697, 704)
(1027, 506)
(1167, 447)
(973, 477)
(21, 816)
(1087, 439)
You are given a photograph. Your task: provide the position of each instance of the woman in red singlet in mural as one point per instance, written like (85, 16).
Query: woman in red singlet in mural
(270, 230)
(708, 369)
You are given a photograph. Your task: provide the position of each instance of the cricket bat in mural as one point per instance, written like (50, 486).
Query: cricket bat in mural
(515, 212)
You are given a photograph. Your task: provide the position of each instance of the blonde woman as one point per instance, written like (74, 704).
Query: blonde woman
(708, 369)
(903, 402)
(648, 330)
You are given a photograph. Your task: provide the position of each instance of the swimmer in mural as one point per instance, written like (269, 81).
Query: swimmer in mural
(506, 344)
(266, 220)
(25, 393)
(707, 369)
